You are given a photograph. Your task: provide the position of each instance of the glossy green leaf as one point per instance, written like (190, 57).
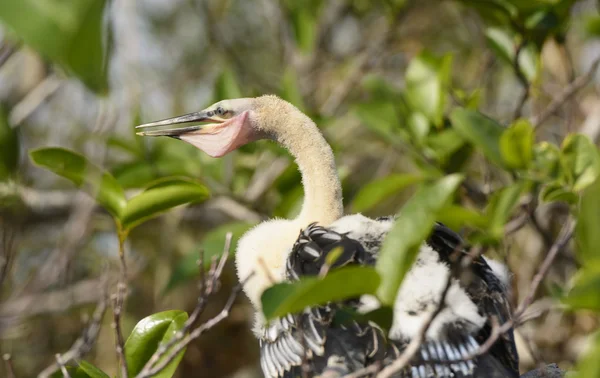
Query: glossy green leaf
(69, 32)
(91, 370)
(226, 86)
(589, 365)
(427, 81)
(146, 337)
(84, 174)
(159, 197)
(580, 160)
(480, 130)
(412, 226)
(501, 207)
(587, 233)
(516, 145)
(379, 190)
(9, 146)
(212, 245)
(343, 283)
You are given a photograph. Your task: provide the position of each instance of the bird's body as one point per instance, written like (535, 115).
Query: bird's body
(274, 252)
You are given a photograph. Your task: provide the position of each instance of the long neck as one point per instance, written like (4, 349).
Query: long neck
(322, 188)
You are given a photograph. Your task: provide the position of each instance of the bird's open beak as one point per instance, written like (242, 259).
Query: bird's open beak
(192, 118)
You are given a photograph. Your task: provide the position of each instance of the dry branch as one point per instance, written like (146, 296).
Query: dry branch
(209, 284)
(85, 342)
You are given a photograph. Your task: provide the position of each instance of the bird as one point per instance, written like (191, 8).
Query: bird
(283, 250)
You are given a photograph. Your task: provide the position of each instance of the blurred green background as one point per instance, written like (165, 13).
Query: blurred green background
(378, 76)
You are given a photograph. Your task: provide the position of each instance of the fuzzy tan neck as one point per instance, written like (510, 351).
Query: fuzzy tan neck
(322, 188)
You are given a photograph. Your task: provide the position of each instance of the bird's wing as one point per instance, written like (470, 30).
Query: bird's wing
(311, 337)
(486, 290)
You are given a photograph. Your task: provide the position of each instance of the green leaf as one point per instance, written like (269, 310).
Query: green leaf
(304, 23)
(343, 283)
(592, 25)
(427, 81)
(412, 226)
(290, 90)
(516, 145)
(379, 116)
(456, 217)
(69, 32)
(147, 336)
(226, 86)
(585, 291)
(480, 130)
(580, 160)
(546, 161)
(556, 192)
(589, 364)
(379, 190)
(586, 232)
(501, 207)
(9, 146)
(84, 174)
(91, 370)
(445, 143)
(212, 245)
(504, 44)
(161, 196)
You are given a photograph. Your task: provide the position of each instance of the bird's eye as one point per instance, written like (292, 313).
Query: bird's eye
(220, 111)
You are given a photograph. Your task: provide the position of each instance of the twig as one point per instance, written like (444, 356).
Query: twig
(207, 288)
(34, 99)
(6, 51)
(565, 95)
(197, 332)
(416, 342)
(563, 238)
(10, 371)
(517, 319)
(85, 342)
(63, 368)
(118, 301)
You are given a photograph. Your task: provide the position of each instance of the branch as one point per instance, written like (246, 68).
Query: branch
(10, 371)
(416, 342)
(208, 286)
(61, 363)
(565, 95)
(85, 342)
(118, 302)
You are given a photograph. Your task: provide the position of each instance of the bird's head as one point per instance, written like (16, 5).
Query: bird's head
(226, 125)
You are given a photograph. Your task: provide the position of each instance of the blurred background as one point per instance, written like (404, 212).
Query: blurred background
(80, 74)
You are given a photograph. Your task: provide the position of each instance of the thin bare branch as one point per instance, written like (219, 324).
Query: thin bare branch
(10, 371)
(415, 343)
(208, 286)
(183, 340)
(565, 95)
(86, 341)
(118, 302)
(62, 366)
